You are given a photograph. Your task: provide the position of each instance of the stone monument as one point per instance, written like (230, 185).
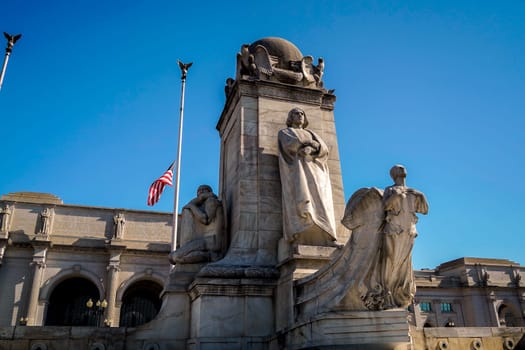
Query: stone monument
(262, 264)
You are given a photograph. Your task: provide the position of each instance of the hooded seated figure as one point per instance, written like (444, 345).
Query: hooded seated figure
(201, 229)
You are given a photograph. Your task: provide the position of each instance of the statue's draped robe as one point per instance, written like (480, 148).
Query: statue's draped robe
(401, 205)
(308, 212)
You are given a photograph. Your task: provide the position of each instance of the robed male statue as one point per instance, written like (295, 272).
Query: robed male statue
(308, 211)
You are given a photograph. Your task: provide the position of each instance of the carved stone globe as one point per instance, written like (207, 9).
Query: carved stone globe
(278, 47)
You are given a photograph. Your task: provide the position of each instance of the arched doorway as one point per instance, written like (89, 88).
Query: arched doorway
(140, 303)
(507, 317)
(67, 304)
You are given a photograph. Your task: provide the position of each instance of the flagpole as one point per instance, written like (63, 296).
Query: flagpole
(11, 40)
(184, 70)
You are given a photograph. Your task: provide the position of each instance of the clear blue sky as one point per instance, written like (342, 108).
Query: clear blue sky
(89, 106)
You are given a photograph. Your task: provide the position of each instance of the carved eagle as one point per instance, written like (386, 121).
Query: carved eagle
(12, 38)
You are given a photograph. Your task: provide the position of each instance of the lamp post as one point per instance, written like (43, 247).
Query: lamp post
(97, 310)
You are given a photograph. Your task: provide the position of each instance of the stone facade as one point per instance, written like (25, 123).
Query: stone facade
(458, 302)
(470, 292)
(79, 242)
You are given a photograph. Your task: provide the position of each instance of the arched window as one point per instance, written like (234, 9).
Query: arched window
(140, 303)
(67, 304)
(507, 318)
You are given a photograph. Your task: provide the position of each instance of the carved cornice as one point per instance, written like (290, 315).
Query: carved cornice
(278, 91)
(235, 271)
(197, 290)
(41, 241)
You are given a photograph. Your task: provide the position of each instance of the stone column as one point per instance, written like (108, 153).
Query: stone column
(522, 303)
(435, 306)
(4, 240)
(6, 212)
(418, 319)
(112, 284)
(39, 264)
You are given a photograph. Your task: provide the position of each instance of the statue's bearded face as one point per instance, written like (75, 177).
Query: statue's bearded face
(298, 118)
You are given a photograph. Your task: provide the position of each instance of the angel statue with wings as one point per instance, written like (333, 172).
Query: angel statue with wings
(383, 225)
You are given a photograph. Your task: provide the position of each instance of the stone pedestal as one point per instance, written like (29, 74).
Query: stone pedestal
(302, 259)
(231, 313)
(373, 330)
(171, 326)
(295, 261)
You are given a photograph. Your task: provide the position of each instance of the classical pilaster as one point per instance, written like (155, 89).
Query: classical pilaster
(39, 264)
(6, 211)
(4, 241)
(493, 311)
(113, 269)
(418, 318)
(522, 304)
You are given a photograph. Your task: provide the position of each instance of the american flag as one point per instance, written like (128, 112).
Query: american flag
(156, 188)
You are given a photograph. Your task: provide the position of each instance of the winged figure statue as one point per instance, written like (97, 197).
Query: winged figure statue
(374, 268)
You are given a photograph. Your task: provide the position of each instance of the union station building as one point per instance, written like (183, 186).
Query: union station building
(70, 265)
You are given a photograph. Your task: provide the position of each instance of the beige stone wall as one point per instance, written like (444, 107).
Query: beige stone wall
(80, 243)
(467, 338)
(14, 277)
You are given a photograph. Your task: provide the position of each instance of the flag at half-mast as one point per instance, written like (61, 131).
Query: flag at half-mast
(156, 188)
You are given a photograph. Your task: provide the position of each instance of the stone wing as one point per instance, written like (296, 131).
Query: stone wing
(364, 208)
(263, 60)
(343, 283)
(307, 68)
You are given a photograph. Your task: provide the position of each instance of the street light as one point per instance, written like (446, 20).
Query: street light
(97, 310)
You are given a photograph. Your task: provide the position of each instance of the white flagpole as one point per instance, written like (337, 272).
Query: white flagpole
(11, 40)
(184, 70)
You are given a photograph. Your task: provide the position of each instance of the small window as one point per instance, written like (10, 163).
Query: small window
(425, 307)
(446, 307)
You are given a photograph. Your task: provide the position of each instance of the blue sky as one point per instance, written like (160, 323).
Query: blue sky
(90, 101)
